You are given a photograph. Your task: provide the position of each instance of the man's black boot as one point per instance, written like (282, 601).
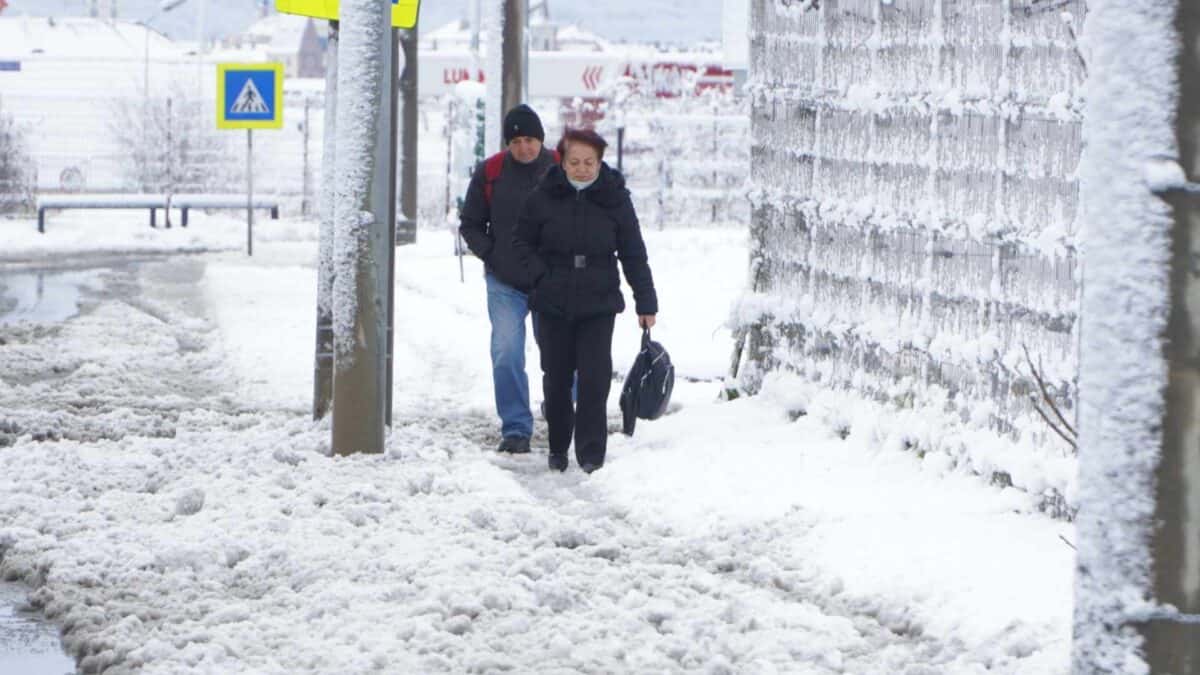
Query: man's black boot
(516, 445)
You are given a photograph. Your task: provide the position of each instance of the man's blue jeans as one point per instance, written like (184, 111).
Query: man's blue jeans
(507, 309)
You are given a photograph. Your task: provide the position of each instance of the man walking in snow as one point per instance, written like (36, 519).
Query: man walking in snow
(494, 197)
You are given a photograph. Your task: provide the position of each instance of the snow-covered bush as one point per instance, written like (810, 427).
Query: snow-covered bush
(16, 173)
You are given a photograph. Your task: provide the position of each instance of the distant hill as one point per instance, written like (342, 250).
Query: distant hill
(666, 21)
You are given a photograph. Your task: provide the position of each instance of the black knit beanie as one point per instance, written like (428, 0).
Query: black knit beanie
(522, 121)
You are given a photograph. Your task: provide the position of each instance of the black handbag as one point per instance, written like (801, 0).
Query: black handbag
(647, 389)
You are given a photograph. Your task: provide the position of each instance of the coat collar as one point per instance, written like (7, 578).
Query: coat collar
(608, 189)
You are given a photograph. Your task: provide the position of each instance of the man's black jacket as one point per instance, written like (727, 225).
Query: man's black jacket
(567, 239)
(488, 229)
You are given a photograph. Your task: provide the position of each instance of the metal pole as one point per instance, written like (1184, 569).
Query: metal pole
(304, 179)
(451, 121)
(476, 21)
(146, 60)
(1172, 644)
(168, 155)
(250, 191)
(361, 231)
(323, 361)
(393, 233)
(407, 233)
(621, 149)
(512, 67)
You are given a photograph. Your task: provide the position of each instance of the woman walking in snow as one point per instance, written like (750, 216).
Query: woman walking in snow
(571, 232)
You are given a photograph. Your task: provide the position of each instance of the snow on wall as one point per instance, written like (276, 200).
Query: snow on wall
(914, 197)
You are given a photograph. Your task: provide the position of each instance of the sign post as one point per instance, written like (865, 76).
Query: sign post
(249, 96)
(404, 12)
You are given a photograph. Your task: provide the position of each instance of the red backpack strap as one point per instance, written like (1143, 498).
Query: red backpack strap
(557, 158)
(491, 171)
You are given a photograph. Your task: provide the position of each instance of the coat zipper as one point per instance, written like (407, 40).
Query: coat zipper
(571, 285)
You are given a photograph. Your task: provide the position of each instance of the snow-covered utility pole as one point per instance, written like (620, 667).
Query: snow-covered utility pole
(516, 53)
(323, 363)
(1173, 641)
(361, 245)
(1137, 604)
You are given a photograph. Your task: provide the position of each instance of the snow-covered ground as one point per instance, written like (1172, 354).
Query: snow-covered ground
(162, 487)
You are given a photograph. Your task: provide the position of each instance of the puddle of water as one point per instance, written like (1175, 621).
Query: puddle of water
(28, 644)
(43, 296)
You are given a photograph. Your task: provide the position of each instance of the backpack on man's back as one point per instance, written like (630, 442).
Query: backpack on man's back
(492, 167)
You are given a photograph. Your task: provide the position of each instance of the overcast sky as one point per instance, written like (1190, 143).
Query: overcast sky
(675, 21)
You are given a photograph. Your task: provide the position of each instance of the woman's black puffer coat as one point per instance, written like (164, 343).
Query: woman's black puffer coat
(569, 241)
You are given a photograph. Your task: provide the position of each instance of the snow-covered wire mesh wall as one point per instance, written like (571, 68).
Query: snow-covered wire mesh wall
(686, 158)
(914, 201)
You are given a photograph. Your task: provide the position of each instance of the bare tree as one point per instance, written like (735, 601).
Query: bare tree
(170, 145)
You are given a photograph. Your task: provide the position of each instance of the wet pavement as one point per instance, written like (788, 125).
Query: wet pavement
(29, 645)
(42, 299)
(43, 296)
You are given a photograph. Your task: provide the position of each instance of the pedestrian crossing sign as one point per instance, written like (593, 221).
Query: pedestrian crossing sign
(404, 12)
(249, 95)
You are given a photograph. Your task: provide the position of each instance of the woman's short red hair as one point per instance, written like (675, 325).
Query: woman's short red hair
(585, 136)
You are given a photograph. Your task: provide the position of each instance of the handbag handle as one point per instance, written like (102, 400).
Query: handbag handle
(645, 338)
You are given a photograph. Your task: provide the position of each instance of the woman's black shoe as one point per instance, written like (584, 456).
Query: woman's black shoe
(558, 462)
(588, 467)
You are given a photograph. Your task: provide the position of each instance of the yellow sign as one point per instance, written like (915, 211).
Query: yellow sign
(249, 95)
(404, 12)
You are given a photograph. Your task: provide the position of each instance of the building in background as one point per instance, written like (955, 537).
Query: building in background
(287, 38)
(69, 82)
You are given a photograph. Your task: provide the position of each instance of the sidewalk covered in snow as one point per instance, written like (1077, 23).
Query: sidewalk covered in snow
(164, 489)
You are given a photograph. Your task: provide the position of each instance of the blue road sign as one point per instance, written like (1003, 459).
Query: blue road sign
(250, 96)
(13, 66)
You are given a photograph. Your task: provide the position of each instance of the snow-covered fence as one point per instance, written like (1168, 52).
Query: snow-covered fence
(914, 210)
(126, 143)
(687, 159)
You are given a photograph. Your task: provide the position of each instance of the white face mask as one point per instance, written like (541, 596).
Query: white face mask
(581, 186)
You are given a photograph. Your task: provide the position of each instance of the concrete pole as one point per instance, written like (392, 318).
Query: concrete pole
(407, 225)
(362, 246)
(1137, 601)
(515, 54)
(323, 362)
(1173, 643)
